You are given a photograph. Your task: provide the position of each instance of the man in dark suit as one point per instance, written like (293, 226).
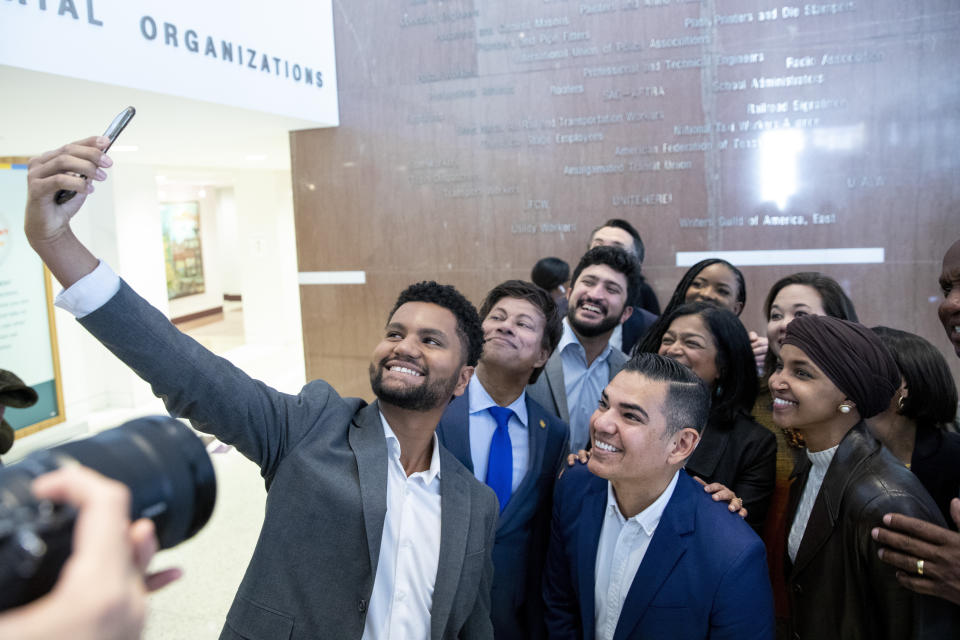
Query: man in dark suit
(637, 549)
(617, 232)
(521, 328)
(371, 526)
(604, 282)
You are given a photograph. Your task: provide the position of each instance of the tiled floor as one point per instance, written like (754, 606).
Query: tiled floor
(214, 560)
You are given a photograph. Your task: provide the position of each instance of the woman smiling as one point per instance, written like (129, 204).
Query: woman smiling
(734, 450)
(830, 376)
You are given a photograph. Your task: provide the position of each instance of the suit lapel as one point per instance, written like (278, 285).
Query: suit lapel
(370, 448)
(558, 389)
(668, 545)
(588, 537)
(455, 510)
(454, 430)
(615, 362)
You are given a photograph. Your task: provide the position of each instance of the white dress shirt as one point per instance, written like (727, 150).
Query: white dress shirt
(482, 426)
(410, 547)
(583, 384)
(90, 292)
(623, 543)
(821, 461)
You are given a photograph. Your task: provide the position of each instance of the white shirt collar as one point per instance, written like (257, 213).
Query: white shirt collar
(393, 446)
(649, 518)
(480, 400)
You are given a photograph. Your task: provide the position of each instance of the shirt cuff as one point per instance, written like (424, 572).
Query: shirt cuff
(90, 292)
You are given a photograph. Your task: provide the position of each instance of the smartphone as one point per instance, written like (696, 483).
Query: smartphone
(113, 132)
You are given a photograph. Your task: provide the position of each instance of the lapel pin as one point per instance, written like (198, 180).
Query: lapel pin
(543, 425)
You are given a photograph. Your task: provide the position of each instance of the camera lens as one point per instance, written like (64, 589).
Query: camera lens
(166, 467)
(161, 461)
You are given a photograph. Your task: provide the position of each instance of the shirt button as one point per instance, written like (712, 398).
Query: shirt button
(362, 605)
(400, 596)
(406, 543)
(797, 589)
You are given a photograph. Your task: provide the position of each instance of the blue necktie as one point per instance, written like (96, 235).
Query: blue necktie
(500, 462)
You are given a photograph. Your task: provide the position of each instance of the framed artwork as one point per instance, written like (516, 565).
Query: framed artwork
(28, 334)
(181, 248)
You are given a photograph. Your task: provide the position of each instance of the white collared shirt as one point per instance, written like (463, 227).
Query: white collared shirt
(409, 550)
(583, 384)
(623, 543)
(90, 292)
(821, 461)
(482, 426)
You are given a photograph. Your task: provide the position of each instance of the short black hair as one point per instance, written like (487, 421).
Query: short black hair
(688, 401)
(638, 249)
(932, 400)
(446, 296)
(736, 388)
(836, 303)
(550, 273)
(650, 343)
(521, 290)
(618, 260)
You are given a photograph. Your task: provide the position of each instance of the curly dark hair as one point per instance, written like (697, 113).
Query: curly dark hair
(650, 341)
(446, 296)
(617, 259)
(553, 328)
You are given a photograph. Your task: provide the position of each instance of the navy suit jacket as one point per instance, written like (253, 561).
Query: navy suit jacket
(703, 575)
(523, 529)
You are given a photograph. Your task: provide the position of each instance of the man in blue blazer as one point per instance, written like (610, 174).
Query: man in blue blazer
(521, 327)
(637, 549)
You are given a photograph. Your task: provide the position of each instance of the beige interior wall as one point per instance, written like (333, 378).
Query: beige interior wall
(469, 128)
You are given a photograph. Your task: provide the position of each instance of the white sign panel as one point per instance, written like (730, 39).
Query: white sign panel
(276, 57)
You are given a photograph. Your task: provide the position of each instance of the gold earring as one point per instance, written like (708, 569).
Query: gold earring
(844, 408)
(900, 401)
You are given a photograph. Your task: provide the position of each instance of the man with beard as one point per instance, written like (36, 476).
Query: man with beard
(604, 284)
(372, 529)
(617, 232)
(514, 445)
(928, 556)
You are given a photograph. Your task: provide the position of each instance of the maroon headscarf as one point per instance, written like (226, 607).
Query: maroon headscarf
(852, 356)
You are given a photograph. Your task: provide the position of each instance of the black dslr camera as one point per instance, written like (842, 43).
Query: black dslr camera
(162, 462)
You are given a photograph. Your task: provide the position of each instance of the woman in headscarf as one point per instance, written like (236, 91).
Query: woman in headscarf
(794, 296)
(830, 376)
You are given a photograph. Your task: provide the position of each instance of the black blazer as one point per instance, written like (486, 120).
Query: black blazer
(743, 457)
(634, 328)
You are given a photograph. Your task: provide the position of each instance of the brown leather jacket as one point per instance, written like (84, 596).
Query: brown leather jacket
(838, 587)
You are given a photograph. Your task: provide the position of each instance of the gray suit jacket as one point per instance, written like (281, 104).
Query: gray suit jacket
(324, 460)
(551, 392)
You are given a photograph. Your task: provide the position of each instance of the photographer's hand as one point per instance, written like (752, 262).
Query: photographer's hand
(47, 224)
(101, 592)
